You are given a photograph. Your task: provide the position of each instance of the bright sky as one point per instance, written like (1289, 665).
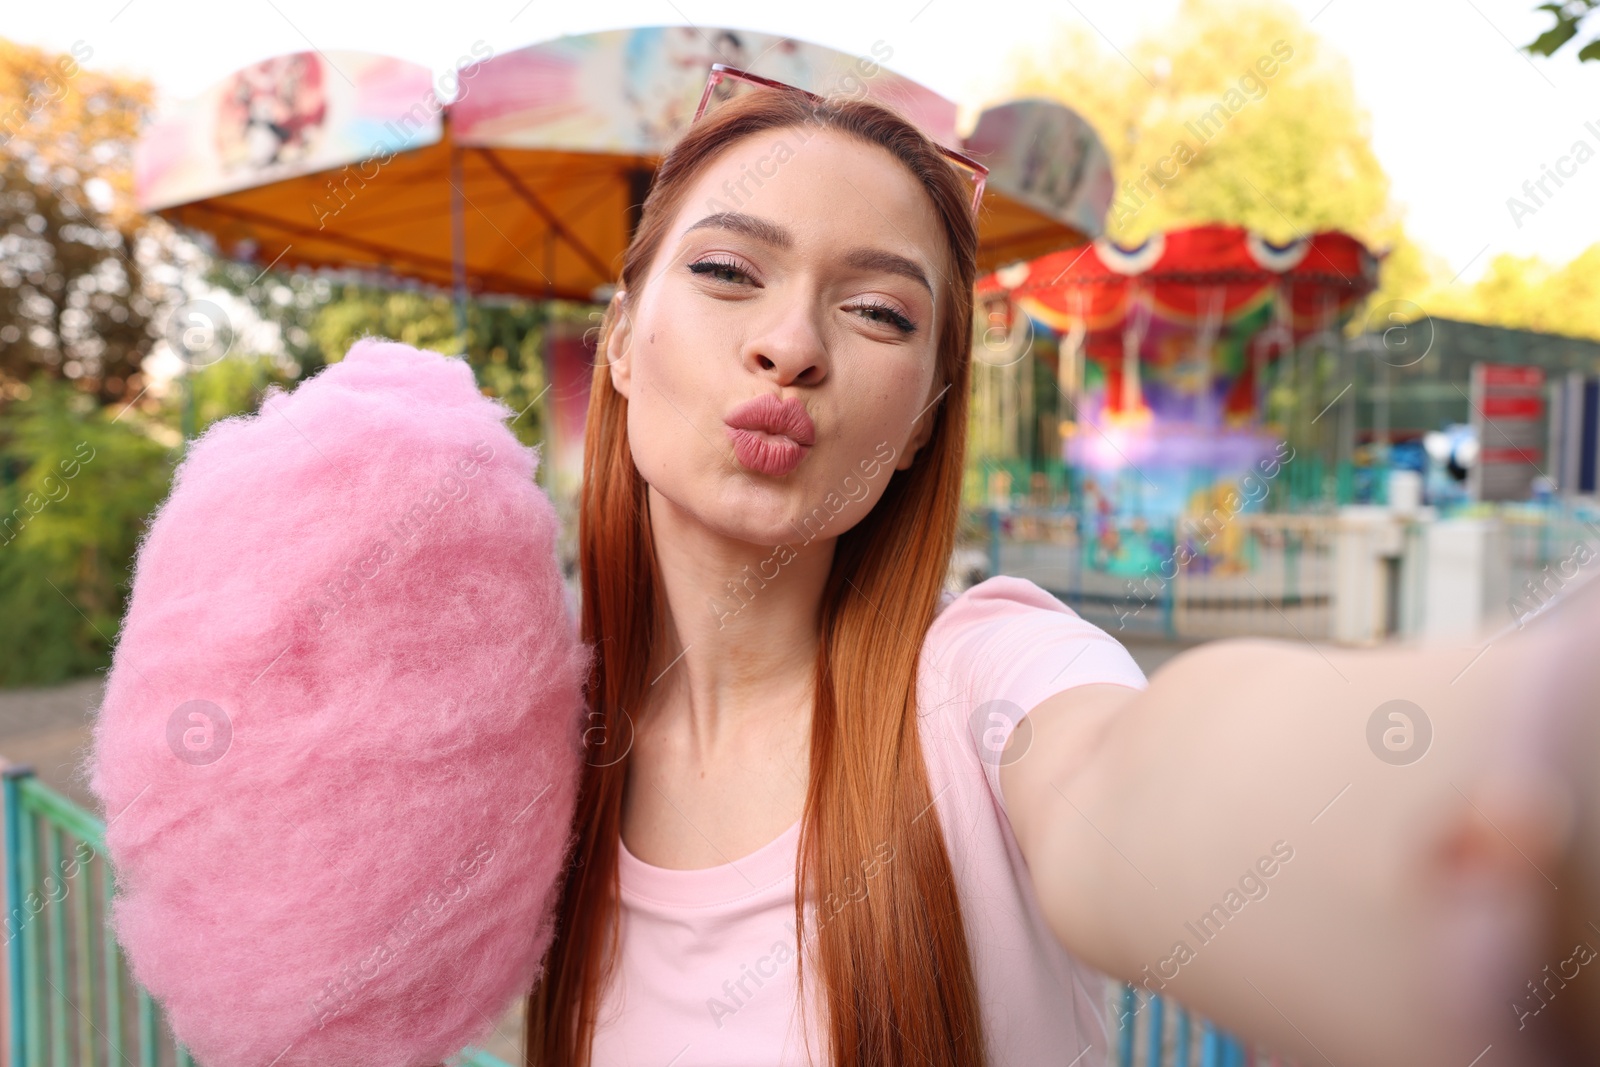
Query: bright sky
(1461, 118)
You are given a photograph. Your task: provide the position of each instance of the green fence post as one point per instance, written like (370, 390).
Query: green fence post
(83, 948)
(148, 1055)
(1344, 482)
(58, 953)
(32, 971)
(113, 962)
(16, 911)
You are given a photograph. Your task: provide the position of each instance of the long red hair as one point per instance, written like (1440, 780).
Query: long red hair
(894, 964)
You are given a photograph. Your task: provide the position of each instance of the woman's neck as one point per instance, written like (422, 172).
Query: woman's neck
(740, 622)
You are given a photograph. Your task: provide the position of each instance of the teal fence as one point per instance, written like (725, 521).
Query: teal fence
(1149, 1031)
(1258, 574)
(71, 1000)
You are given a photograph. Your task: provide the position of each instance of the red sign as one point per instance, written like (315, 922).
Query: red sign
(1513, 407)
(1507, 418)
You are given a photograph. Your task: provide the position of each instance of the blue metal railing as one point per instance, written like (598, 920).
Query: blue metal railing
(1170, 1036)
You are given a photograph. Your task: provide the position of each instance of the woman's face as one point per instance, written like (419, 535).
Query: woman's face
(801, 264)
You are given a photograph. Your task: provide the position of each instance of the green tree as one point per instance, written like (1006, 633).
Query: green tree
(76, 301)
(1409, 278)
(228, 387)
(79, 484)
(319, 319)
(1528, 293)
(1569, 17)
(286, 300)
(504, 341)
(1232, 113)
(1517, 292)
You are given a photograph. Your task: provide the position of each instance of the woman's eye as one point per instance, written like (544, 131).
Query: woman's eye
(886, 315)
(721, 270)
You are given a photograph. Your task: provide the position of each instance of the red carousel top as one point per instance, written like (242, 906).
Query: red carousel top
(1181, 275)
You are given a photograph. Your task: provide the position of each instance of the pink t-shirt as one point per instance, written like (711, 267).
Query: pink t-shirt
(707, 974)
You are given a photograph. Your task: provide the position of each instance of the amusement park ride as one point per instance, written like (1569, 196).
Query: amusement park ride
(1165, 351)
(1184, 368)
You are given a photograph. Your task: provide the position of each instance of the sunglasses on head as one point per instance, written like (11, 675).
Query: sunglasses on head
(970, 169)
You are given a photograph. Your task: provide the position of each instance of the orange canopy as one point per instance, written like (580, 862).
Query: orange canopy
(529, 181)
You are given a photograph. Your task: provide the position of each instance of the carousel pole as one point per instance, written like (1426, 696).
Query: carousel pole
(1132, 341)
(547, 357)
(1283, 373)
(458, 243)
(1211, 332)
(1216, 299)
(1257, 370)
(1069, 381)
(1346, 443)
(1274, 337)
(1069, 371)
(1327, 334)
(1133, 334)
(1258, 362)
(1291, 366)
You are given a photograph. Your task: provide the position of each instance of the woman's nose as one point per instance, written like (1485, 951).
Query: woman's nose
(790, 350)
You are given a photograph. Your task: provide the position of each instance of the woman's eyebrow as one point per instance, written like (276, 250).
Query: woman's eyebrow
(888, 262)
(760, 229)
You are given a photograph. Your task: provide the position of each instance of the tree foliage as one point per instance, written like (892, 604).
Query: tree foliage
(504, 341)
(76, 301)
(319, 318)
(77, 484)
(1527, 293)
(1569, 16)
(1232, 113)
(1516, 292)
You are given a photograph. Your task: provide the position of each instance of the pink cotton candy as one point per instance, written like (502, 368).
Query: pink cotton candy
(340, 742)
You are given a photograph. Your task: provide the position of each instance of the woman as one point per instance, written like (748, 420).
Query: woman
(783, 698)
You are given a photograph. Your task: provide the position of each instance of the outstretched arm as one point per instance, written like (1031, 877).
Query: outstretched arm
(1258, 836)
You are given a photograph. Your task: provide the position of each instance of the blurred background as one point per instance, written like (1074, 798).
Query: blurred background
(1289, 322)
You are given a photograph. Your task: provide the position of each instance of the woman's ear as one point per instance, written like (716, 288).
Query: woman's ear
(619, 341)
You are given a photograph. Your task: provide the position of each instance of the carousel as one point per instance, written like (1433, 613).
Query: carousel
(1166, 374)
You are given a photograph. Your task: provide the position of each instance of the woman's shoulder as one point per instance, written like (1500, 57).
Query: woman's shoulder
(994, 652)
(1008, 636)
(995, 599)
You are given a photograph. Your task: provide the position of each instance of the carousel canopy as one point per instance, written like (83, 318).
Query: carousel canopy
(1177, 335)
(1189, 278)
(529, 180)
